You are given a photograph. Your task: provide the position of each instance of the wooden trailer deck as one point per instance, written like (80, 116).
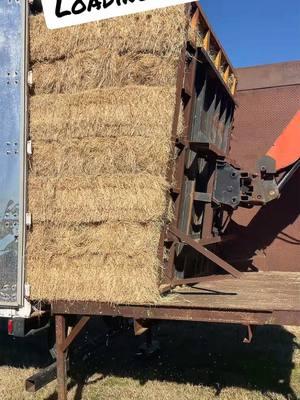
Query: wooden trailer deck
(255, 298)
(258, 290)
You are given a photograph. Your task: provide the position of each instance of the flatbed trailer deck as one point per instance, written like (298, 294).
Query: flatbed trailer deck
(256, 298)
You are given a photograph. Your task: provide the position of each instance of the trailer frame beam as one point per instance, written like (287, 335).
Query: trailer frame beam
(228, 302)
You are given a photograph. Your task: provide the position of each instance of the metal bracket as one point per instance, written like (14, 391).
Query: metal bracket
(28, 220)
(235, 188)
(74, 333)
(204, 197)
(29, 148)
(205, 252)
(140, 326)
(266, 165)
(250, 333)
(30, 78)
(227, 189)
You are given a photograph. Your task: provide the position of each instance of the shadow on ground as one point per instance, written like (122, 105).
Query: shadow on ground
(200, 354)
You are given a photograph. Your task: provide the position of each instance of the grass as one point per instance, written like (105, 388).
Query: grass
(201, 361)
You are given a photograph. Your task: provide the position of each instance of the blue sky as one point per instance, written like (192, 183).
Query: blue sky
(255, 32)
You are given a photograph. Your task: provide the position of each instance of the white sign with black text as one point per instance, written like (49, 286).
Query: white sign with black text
(62, 13)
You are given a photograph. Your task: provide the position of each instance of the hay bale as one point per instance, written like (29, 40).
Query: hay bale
(71, 119)
(101, 156)
(113, 279)
(128, 239)
(101, 116)
(80, 258)
(130, 111)
(85, 200)
(160, 32)
(100, 68)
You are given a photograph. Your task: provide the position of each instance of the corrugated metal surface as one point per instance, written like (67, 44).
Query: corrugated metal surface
(269, 238)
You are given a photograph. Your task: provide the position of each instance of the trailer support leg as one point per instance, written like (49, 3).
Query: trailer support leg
(63, 342)
(60, 328)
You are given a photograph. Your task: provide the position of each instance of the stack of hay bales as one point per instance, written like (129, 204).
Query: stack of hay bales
(101, 115)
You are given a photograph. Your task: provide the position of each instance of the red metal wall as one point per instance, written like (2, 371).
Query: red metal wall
(268, 238)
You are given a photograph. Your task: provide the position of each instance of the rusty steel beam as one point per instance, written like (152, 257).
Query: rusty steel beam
(200, 279)
(62, 344)
(208, 217)
(214, 35)
(189, 80)
(185, 205)
(192, 147)
(204, 242)
(234, 316)
(206, 148)
(206, 253)
(41, 378)
(186, 96)
(74, 332)
(169, 268)
(193, 281)
(179, 85)
(60, 330)
(182, 80)
(208, 60)
(212, 150)
(283, 317)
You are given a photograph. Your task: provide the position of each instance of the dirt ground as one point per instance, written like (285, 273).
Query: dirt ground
(195, 361)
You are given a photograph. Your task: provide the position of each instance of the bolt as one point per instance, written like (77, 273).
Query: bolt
(229, 188)
(272, 193)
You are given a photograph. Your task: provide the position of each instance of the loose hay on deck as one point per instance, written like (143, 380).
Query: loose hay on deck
(101, 116)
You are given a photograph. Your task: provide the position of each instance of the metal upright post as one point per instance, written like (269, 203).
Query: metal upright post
(60, 328)
(13, 137)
